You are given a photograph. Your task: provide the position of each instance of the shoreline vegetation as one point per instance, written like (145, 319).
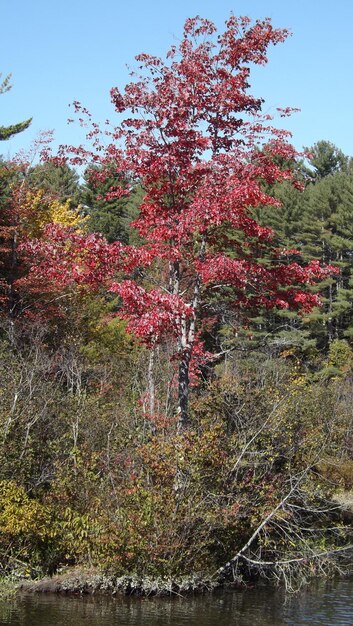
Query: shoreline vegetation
(91, 581)
(81, 581)
(176, 340)
(265, 498)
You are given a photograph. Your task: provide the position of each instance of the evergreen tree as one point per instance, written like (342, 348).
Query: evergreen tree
(319, 223)
(281, 329)
(326, 159)
(110, 213)
(284, 220)
(60, 181)
(326, 234)
(8, 131)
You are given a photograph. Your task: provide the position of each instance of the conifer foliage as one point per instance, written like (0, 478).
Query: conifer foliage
(6, 132)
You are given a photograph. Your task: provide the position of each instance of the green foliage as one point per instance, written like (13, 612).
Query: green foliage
(318, 223)
(5, 83)
(60, 181)
(340, 355)
(110, 216)
(325, 159)
(326, 233)
(26, 530)
(8, 131)
(21, 516)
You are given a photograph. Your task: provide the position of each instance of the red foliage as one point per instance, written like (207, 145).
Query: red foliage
(152, 314)
(11, 266)
(196, 139)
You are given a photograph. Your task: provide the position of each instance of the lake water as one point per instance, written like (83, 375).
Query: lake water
(329, 604)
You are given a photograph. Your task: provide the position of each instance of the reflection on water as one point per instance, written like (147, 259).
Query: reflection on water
(328, 604)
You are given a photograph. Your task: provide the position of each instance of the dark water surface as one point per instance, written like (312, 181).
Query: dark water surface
(328, 604)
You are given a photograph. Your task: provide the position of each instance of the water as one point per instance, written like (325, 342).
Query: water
(328, 604)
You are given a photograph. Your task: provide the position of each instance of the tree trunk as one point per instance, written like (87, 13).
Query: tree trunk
(184, 390)
(185, 346)
(150, 382)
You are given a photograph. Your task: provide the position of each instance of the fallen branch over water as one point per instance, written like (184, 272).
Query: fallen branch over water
(284, 568)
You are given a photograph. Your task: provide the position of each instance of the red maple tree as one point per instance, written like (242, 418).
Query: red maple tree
(196, 140)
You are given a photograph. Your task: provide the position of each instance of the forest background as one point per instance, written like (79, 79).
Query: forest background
(259, 483)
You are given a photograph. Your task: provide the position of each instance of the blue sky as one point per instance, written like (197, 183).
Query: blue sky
(64, 50)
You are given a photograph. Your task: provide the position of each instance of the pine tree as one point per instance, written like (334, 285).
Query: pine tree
(318, 223)
(58, 180)
(325, 159)
(281, 330)
(8, 131)
(109, 210)
(326, 234)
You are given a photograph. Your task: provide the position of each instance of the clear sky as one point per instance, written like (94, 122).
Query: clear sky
(64, 50)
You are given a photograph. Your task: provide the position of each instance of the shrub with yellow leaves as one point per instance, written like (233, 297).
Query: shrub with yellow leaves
(38, 209)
